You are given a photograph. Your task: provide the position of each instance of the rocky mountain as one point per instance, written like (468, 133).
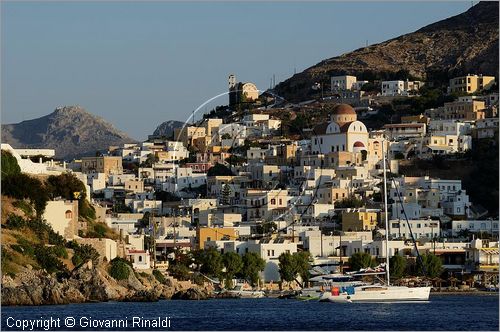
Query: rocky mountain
(70, 130)
(167, 128)
(465, 43)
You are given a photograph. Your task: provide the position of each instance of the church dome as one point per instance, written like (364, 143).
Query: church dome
(343, 109)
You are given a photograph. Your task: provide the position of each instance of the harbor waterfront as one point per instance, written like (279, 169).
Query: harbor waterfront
(443, 312)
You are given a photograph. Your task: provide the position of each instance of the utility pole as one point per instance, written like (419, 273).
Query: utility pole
(341, 263)
(175, 237)
(152, 220)
(321, 235)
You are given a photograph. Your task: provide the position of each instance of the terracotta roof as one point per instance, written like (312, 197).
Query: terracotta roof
(135, 251)
(343, 109)
(359, 144)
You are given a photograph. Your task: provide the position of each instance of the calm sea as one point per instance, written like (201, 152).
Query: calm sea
(442, 312)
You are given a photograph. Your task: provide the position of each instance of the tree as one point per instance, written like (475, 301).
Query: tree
(397, 266)
(302, 265)
(291, 266)
(361, 260)
(23, 186)
(225, 192)
(150, 160)
(286, 265)
(433, 266)
(209, 262)
(119, 269)
(83, 254)
(266, 228)
(233, 264)
(252, 265)
(219, 170)
(9, 164)
(349, 202)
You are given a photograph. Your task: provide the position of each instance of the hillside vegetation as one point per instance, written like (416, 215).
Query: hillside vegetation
(466, 43)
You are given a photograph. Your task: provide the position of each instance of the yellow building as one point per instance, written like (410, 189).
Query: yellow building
(186, 135)
(360, 220)
(107, 165)
(329, 195)
(210, 125)
(471, 83)
(464, 110)
(205, 234)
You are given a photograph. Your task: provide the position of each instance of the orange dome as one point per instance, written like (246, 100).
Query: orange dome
(359, 144)
(343, 109)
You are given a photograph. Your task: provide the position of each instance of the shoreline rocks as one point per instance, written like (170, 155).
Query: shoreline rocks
(92, 284)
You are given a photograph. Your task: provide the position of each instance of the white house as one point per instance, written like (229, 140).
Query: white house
(474, 226)
(140, 259)
(421, 228)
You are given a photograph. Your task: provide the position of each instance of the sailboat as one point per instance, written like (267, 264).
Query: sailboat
(379, 292)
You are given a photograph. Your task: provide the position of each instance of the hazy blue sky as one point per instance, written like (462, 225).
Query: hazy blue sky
(139, 64)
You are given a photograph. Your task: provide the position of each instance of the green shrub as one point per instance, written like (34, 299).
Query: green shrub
(100, 230)
(46, 232)
(159, 276)
(22, 186)
(119, 269)
(47, 259)
(9, 164)
(198, 279)
(179, 271)
(24, 206)
(15, 221)
(26, 247)
(60, 251)
(76, 260)
(85, 253)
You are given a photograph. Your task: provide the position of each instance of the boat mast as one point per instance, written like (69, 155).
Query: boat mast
(386, 217)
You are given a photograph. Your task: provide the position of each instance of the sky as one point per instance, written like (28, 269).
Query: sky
(137, 64)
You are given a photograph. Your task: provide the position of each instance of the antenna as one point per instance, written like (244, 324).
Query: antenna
(366, 43)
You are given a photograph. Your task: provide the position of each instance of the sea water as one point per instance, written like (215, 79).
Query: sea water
(442, 312)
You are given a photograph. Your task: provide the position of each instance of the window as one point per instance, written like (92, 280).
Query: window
(140, 258)
(273, 201)
(68, 214)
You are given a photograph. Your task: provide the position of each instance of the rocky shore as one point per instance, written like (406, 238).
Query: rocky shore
(93, 284)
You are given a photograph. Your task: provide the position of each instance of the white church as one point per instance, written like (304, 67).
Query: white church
(343, 133)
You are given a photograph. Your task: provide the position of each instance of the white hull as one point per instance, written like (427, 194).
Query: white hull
(247, 294)
(317, 291)
(380, 294)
